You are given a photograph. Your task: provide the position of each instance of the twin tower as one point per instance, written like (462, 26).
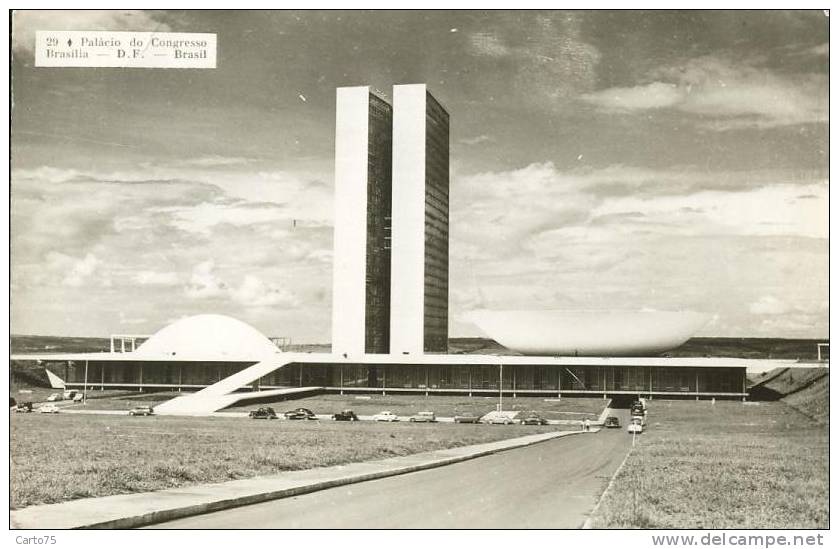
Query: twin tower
(391, 246)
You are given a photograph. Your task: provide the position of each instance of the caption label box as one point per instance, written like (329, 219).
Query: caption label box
(165, 50)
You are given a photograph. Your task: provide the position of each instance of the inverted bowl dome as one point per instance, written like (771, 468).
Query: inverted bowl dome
(589, 333)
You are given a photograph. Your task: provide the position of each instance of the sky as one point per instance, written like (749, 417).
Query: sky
(599, 160)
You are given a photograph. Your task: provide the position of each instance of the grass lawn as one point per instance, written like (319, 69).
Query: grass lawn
(442, 405)
(70, 456)
(727, 465)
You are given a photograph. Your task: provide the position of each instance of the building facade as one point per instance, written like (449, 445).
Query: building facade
(535, 379)
(362, 262)
(420, 227)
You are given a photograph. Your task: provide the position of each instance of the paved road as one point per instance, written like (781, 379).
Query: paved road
(552, 484)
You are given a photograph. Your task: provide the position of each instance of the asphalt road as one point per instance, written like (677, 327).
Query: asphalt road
(552, 484)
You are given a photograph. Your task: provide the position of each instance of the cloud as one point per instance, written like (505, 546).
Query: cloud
(822, 50)
(476, 140)
(768, 305)
(651, 96)
(669, 239)
(216, 161)
(253, 292)
(26, 22)
(154, 278)
(204, 283)
(125, 321)
(484, 43)
(725, 95)
(550, 67)
(204, 217)
(185, 239)
(72, 271)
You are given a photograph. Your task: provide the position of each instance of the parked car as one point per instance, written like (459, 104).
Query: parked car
(264, 412)
(346, 415)
(70, 394)
(612, 422)
(23, 407)
(79, 397)
(55, 397)
(385, 416)
(466, 418)
(141, 411)
(496, 418)
(300, 413)
(534, 419)
(423, 417)
(49, 409)
(639, 407)
(635, 426)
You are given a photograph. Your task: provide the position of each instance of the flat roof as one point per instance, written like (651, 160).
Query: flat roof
(441, 360)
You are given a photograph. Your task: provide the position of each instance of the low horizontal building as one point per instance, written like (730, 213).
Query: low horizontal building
(202, 351)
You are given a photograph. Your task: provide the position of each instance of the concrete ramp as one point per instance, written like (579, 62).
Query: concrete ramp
(222, 394)
(55, 381)
(188, 406)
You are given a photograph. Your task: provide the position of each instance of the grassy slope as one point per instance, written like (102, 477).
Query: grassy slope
(805, 389)
(70, 456)
(726, 465)
(813, 400)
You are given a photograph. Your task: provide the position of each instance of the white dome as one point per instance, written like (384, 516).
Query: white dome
(589, 333)
(208, 337)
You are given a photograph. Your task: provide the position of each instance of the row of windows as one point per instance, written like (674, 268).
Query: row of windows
(547, 378)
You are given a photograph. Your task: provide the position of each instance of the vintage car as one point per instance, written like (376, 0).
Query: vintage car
(346, 415)
(635, 426)
(385, 415)
(263, 412)
(497, 418)
(49, 409)
(466, 418)
(55, 397)
(141, 411)
(300, 413)
(23, 407)
(612, 422)
(423, 417)
(534, 419)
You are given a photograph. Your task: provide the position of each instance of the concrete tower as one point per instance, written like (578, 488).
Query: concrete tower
(420, 228)
(362, 263)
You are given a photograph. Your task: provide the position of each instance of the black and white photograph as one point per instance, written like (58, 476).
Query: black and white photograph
(420, 269)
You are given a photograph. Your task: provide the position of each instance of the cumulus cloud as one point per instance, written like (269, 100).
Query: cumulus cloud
(667, 239)
(186, 239)
(202, 218)
(25, 23)
(727, 95)
(204, 283)
(253, 292)
(72, 271)
(250, 292)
